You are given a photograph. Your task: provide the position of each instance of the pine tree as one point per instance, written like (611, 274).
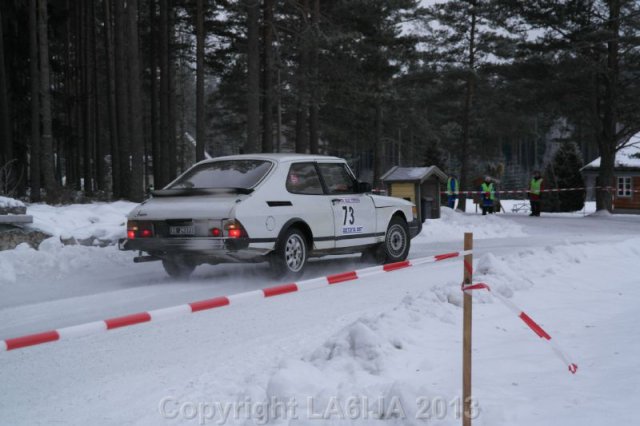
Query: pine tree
(564, 172)
(464, 39)
(590, 49)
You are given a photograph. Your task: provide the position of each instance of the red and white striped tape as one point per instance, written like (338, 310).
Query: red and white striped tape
(524, 191)
(521, 191)
(217, 302)
(573, 367)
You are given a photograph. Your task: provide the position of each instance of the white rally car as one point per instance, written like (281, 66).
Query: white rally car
(279, 208)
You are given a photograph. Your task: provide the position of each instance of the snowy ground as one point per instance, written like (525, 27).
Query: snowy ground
(389, 343)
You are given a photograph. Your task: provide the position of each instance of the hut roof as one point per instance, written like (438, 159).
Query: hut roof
(413, 174)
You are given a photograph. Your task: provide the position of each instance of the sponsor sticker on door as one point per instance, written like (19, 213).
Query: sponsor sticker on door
(352, 229)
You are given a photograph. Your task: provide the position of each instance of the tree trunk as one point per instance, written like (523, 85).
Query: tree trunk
(314, 98)
(607, 139)
(302, 79)
(253, 76)
(87, 99)
(200, 116)
(267, 78)
(122, 97)
(6, 156)
(7, 165)
(47, 158)
(278, 111)
(164, 93)
(69, 94)
(378, 161)
(172, 119)
(98, 134)
(136, 119)
(466, 117)
(77, 108)
(34, 163)
(116, 188)
(153, 65)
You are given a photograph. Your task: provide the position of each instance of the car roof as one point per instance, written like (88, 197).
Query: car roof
(277, 157)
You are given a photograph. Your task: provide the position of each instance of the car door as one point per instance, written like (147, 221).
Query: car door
(353, 213)
(310, 203)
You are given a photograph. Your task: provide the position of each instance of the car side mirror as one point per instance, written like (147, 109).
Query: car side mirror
(363, 187)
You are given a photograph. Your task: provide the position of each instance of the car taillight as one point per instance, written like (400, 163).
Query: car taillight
(216, 232)
(235, 229)
(235, 233)
(139, 230)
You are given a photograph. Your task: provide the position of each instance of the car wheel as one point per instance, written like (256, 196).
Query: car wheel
(397, 241)
(178, 268)
(290, 255)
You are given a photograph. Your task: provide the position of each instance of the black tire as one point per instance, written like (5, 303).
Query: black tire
(291, 254)
(178, 268)
(397, 241)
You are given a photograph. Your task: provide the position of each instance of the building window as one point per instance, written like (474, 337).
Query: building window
(624, 186)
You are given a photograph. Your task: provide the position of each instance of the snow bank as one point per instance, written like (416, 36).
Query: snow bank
(103, 221)
(369, 367)
(397, 367)
(53, 259)
(6, 202)
(452, 224)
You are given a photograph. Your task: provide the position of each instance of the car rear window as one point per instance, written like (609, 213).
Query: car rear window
(223, 174)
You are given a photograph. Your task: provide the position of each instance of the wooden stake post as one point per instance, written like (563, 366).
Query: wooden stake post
(466, 333)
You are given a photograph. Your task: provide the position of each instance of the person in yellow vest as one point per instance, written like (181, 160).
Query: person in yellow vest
(535, 193)
(452, 191)
(488, 195)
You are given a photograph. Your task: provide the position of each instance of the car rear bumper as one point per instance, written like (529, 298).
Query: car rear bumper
(204, 246)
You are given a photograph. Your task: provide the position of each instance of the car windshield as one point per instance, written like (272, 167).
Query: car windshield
(223, 174)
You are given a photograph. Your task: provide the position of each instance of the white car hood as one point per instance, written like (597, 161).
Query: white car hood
(217, 206)
(383, 201)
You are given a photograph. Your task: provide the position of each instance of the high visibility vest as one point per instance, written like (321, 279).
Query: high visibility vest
(488, 188)
(452, 186)
(535, 186)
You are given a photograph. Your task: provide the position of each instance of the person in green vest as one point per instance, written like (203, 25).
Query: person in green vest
(452, 191)
(488, 195)
(535, 193)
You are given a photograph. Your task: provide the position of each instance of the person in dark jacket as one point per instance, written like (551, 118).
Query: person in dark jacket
(488, 195)
(535, 193)
(452, 191)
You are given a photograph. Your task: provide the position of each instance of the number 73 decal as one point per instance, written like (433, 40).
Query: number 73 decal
(349, 218)
(348, 214)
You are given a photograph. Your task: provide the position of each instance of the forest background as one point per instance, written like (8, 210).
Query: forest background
(105, 98)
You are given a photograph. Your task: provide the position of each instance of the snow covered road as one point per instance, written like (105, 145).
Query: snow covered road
(79, 284)
(396, 335)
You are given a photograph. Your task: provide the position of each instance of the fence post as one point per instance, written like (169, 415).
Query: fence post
(466, 332)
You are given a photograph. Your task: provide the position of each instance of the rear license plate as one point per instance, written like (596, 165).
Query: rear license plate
(182, 230)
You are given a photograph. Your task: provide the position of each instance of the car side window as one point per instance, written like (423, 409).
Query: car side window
(337, 178)
(303, 179)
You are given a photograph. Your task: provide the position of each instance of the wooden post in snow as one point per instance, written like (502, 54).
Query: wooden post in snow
(466, 333)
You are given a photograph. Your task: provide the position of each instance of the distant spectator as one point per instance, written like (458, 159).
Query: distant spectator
(488, 195)
(452, 191)
(535, 193)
